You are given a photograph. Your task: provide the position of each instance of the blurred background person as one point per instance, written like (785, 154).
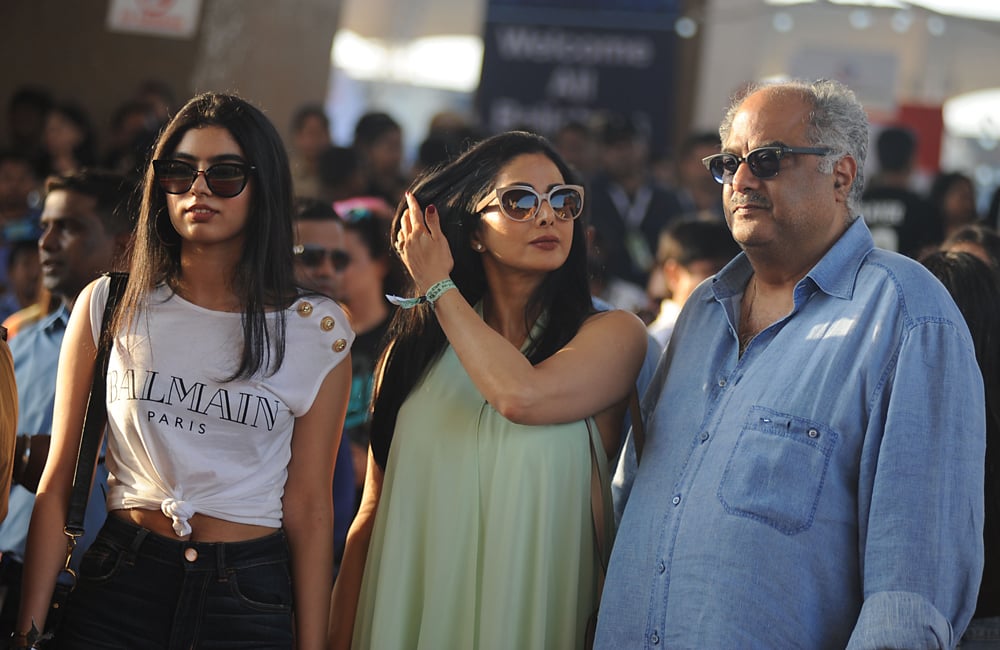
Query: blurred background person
(310, 137)
(953, 200)
(19, 201)
(134, 127)
(159, 96)
(27, 112)
(626, 206)
(899, 218)
(372, 271)
(24, 276)
(20, 196)
(576, 143)
(69, 140)
(320, 257)
(975, 288)
(340, 174)
(697, 192)
(378, 139)
(689, 252)
(442, 145)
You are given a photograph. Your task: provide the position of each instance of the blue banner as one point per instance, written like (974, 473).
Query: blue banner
(546, 62)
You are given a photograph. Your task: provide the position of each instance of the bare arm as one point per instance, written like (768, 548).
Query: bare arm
(347, 589)
(46, 546)
(591, 373)
(308, 505)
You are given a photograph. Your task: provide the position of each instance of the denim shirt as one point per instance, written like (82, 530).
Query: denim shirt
(824, 490)
(36, 358)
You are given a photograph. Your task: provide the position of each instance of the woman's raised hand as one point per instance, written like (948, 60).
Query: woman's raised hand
(422, 246)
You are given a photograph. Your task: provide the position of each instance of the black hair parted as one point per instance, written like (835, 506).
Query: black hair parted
(416, 338)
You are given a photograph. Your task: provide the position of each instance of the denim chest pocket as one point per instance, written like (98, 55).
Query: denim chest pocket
(776, 472)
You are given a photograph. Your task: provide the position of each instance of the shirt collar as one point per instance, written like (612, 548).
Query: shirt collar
(835, 274)
(57, 319)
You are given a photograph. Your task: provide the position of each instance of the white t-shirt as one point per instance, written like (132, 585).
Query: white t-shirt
(183, 440)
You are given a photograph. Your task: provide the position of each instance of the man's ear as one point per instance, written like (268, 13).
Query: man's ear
(845, 171)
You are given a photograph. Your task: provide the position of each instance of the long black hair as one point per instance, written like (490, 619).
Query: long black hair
(416, 338)
(264, 275)
(975, 287)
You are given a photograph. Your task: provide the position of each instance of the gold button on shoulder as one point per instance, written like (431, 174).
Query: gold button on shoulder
(190, 554)
(305, 308)
(327, 323)
(339, 345)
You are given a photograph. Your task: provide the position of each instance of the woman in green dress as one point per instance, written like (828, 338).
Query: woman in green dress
(475, 529)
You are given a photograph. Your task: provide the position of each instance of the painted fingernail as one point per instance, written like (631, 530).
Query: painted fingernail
(431, 209)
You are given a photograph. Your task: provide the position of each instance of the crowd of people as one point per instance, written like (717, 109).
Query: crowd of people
(352, 403)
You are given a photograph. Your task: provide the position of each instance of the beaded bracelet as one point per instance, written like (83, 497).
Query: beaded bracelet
(436, 291)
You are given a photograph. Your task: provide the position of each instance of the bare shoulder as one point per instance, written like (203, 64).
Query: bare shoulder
(617, 321)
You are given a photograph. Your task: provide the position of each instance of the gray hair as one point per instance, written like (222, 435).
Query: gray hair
(837, 120)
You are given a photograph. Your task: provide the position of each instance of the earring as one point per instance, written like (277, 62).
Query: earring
(479, 247)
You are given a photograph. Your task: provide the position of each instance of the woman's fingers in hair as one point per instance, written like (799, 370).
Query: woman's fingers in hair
(433, 221)
(413, 217)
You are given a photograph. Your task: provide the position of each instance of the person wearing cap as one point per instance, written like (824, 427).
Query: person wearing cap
(812, 473)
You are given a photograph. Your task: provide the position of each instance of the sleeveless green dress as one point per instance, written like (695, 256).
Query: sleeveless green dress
(483, 536)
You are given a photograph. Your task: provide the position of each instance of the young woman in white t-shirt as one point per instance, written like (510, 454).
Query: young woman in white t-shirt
(227, 388)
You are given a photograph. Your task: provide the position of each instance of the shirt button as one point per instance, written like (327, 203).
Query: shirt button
(813, 433)
(722, 383)
(676, 500)
(654, 638)
(190, 554)
(660, 567)
(704, 436)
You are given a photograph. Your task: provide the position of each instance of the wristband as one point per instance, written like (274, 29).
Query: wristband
(436, 291)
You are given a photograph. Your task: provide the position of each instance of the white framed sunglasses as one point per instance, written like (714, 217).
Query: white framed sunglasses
(522, 202)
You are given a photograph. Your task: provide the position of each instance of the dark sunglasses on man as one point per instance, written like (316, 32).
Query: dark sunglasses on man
(312, 255)
(764, 162)
(225, 180)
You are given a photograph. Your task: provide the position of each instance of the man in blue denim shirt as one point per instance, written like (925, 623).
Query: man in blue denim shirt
(813, 473)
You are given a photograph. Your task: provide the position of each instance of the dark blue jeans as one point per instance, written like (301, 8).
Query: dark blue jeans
(142, 591)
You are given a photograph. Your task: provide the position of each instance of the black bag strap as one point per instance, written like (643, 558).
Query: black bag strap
(95, 419)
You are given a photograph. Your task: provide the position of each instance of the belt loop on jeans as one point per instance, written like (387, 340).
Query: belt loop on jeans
(220, 561)
(133, 548)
